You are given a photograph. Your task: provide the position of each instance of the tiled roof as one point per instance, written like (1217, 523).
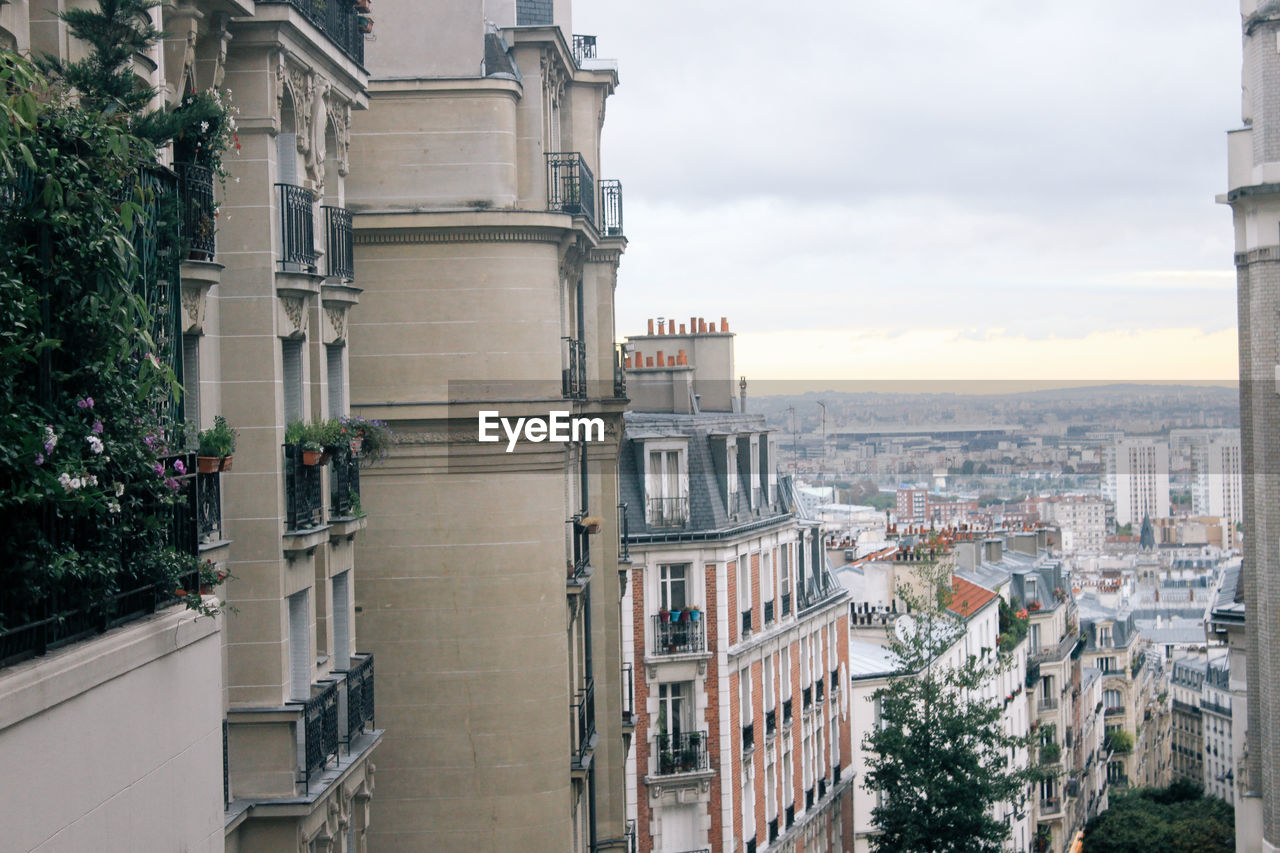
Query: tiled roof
(968, 597)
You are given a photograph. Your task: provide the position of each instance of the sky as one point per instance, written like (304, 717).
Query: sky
(878, 189)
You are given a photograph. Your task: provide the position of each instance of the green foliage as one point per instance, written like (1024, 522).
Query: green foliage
(376, 438)
(1179, 819)
(1013, 626)
(219, 440)
(1120, 741)
(86, 480)
(941, 757)
(300, 434)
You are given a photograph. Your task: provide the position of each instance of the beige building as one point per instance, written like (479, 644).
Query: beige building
(1217, 480)
(262, 313)
(487, 252)
(1135, 477)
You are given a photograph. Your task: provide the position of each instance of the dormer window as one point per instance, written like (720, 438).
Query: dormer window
(666, 480)
(1104, 636)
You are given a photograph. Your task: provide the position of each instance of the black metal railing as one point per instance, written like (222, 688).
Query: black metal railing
(822, 788)
(583, 714)
(749, 736)
(17, 190)
(791, 815)
(786, 603)
(770, 722)
(746, 622)
(628, 695)
(668, 512)
(750, 846)
(768, 611)
(209, 506)
(806, 697)
(818, 692)
(584, 47)
(195, 200)
(683, 752)
(297, 228)
(344, 484)
(571, 188)
(339, 247)
(808, 798)
(359, 695)
(611, 208)
(786, 712)
(573, 374)
(835, 774)
(680, 636)
(337, 19)
(773, 830)
(1033, 673)
(581, 548)
(74, 608)
(619, 373)
(320, 729)
(304, 499)
(835, 680)
(624, 531)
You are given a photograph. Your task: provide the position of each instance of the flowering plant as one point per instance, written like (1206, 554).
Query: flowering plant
(205, 128)
(375, 437)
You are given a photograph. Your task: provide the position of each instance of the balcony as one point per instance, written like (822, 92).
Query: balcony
(668, 512)
(773, 830)
(580, 560)
(619, 373)
(344, 484)
(340, 248)
(1047, 703)
(304, 500)
(573, 376)
(583, 720)
(297, 228)
(611, 208)
(1113, 710)
(822, 788)
(336, 19)
(74, 608)
(791, 815)
(749, 736)
(209, 507)
(1050, 806)
(584, 47)
(624, 533)
(679, 637)
(571, 188)
(835, 681)
(684, 752)
(195, 202)
(321, 739)
(768, 611)
(808, 799)
(359, 696)
(770, 723)
(1033, 674)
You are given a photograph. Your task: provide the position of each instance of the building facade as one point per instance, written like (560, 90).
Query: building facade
(488, 251)
(739, 636)
(1253, 166)
(1217, 480)
(1186, 685)
(1135, 477)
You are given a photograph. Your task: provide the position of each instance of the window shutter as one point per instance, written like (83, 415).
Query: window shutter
(337, 385)
(191, 379)
(299, 646)
(292, 364)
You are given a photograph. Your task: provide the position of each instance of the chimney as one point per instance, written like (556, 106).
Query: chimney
(724, 324)
(648, 362)
(682, 328)
(660, 362)
(993, 550)
(682, 358)
(712, 327)
(661, 326)
(651, 325)
(702, 326)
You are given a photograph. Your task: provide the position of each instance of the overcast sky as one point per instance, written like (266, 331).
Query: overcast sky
(979, 189)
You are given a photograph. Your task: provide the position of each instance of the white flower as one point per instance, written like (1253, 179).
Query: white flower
(95, 443)
(65, 479)
(91, 480)
(119, 489)
(204, 127)
(113, 506)
(75, 483)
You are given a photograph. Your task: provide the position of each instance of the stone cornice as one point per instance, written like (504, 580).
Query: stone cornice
(1262, 253)
(481, 234)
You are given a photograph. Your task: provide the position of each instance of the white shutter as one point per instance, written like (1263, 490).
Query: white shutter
(342, 620)
(191, 379)
(287, 154)
(337, 387)
(300, 645)
(292, 364)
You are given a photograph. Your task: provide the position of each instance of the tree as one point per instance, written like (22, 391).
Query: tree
(1179, 819)
(940, 757)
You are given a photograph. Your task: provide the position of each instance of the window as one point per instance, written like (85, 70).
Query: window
(1107, 664)
(1104, 636)
(767, 677)
(291, 363)
(784, 575)
(1034, 633)
(300, 656)
(744, 585)
(766, 576)
(731, 470)
(673, 583)
(342, 620)
(755, 473)
(191, 379)
(675, 708)
(666, 487)
(336, 380)
(770, 787)
(1112, 699)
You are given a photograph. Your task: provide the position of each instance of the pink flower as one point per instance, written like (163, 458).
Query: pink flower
(39, 458)
(97, 427)
(171, 483)
(86, 403)
(179, 466)
(159, 469)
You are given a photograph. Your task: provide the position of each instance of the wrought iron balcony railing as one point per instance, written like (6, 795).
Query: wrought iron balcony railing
(806, 697)
(786, 712)
(195, 200)
(304, 499)
(668, 512)
(624, 531)
(628, 695)
(581, 543)
(749, 736)
(786, 603)
(1047, 703)
(339, 246)
(768, 611)
(619, 373)
(584, 47)
(571, 188)
(209, 506)
(683, 752)
(573, 376)
(359, 695)
(297, 228)
(770, 722)
(337, 19)
(611, 208)
(583, 713)
(344, 484)
(682, 636)
(746, 622)
(321, 739)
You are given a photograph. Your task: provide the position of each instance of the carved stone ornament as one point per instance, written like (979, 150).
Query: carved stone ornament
(337, 325)
(193, 306)
(295, 316)
(299, 83)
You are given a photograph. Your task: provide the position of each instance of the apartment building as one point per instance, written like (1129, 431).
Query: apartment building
(738, 635)
(487, 250)
(1217, 480)
(1135, 478)
(911, 505)
(260, 313)
(1219, 735)
(1186, 685)
(1081, 518)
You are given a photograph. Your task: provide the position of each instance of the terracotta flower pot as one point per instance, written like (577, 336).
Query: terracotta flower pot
(213, 464)
(312, 457)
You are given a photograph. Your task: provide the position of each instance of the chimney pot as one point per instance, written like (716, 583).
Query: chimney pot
(660, 359)
(711, 327)
(702, 326)
(651, 325)
(648, 362)
(662, 327)
(724, 324)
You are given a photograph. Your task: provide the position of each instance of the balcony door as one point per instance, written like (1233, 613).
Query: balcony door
(675, 709)
(673, 590)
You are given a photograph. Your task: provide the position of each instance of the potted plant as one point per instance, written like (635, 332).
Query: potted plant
(364, 6)
(332, 437)
(301, 437)
(364, 23)
(694, 614)
(591, 523)
(371, 439)
(215, 447)
(664, 615)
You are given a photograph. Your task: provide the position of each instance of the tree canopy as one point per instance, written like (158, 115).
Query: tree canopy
(1178, 819)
